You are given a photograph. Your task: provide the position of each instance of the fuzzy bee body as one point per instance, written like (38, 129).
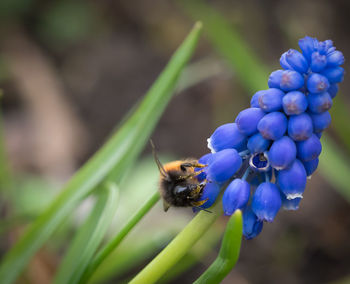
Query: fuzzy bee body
(178, 184)
(180, 187)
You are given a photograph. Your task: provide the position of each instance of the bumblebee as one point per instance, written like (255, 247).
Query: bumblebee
(178, 184)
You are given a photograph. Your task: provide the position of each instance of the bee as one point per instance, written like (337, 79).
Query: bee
(178, 184)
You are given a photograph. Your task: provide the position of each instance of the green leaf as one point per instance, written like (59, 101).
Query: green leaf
(89, 235)
(335, 167)
(112, 244)
(120, 151)
(130, 255)
(340, 123)
(6, 181)
(229, 252)
(178, 247)
(204, 247)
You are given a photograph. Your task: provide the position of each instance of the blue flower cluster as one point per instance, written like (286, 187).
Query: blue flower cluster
(266, 155)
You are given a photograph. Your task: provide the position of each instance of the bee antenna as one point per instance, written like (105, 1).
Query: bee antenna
(159, 164)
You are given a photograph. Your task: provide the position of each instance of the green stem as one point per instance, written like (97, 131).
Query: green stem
(229, 252)
(110, 247)
(179, 246)
(6, 181)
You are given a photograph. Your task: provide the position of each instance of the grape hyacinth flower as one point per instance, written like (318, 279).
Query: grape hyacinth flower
(264, 158)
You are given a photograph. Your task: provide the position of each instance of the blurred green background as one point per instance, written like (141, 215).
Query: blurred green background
(71, 70)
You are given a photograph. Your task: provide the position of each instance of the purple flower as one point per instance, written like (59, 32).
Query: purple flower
(247, 120)
(236, 196)
(266, 201)
(273, 125)
(292, 181)
(274, 146)
(223, 165)
(251, 225)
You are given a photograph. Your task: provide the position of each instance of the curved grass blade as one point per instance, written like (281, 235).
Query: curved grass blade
(204, 247)
(6, 181)
(112, 159)
(127, 257)
(229, 252)
(112, 244)
(335, 167)
(340, 123)
(178, 247)
(89, 235)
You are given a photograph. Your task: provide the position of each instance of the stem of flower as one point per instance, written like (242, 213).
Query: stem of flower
(267, 178)
(246, 174)
(229, 252)
(178, 247)
(111, 246)
(244, 154)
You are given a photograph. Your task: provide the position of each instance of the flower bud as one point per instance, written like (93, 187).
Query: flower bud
(317, 83)
(291, 80)
(335, 59)
(334, 74)
(275, 79)
(311, 166)
(271, 100)
(257, 143)
(236, 196)
(226, 136)
(292, 181)
(328, 45)
(282, 153)
(254, 102)
(300, 127)
(266, 201)
(297, 61)
(251, 225)
(320, 121)
(204, 160)
(319, 103)
(283, 62)
(210, 191)
(273, 125)
(248, 119)
(309, 149)
(318, 62)
(307, 46)
(294, 102)
(223, 165)
(333, 90)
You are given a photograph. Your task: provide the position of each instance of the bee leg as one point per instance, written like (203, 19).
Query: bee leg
(199, 172)
(199, 203)
(185, 177)
(196, 192)
(193, 165)
(191, 175)
(198, 165)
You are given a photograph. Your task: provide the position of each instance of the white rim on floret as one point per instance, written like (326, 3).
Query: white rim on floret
(210, 146)
(294, 195)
